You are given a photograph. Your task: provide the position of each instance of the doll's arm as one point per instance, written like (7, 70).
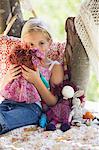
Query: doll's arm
(71, 116)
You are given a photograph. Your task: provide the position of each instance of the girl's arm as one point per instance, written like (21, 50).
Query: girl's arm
(57, 74)
(12, 73)
(34, 78)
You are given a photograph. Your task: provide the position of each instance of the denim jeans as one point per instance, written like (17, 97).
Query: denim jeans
(15, 114)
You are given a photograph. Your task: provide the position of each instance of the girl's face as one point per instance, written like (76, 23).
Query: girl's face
(37, 40)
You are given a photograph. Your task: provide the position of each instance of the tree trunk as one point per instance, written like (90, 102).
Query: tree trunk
(11, 8)
(5, 10)
(18, 24)
(75, 56)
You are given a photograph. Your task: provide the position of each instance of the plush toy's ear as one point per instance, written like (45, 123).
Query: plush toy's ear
(79, 93)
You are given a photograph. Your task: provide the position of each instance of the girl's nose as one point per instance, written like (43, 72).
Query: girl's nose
(35, 46)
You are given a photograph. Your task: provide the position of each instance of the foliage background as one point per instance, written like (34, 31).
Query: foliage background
(55, 13)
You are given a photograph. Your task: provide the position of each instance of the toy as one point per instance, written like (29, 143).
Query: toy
(20, 89)
(89, 118)
(88, 115)
(76, 115)
(26, 56)
(43, 120)
(60, 112)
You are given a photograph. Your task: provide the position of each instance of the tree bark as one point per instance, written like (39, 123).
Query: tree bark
(18, 24)
(76, 57)
(5, 10)
(11, 7)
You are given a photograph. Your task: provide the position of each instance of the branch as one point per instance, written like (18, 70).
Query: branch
(34, 14)
(13, 19)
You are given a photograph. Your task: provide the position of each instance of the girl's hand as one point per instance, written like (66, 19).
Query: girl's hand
(12, 73)
(30, 75)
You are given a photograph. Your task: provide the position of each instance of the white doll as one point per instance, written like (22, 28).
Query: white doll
(76, 115)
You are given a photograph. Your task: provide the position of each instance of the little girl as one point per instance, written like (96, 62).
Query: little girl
(13, 113)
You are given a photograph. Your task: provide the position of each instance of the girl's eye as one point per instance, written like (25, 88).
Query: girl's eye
(41, 43)
(31, 44)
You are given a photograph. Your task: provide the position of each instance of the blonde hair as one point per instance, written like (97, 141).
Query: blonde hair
(35, 25)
